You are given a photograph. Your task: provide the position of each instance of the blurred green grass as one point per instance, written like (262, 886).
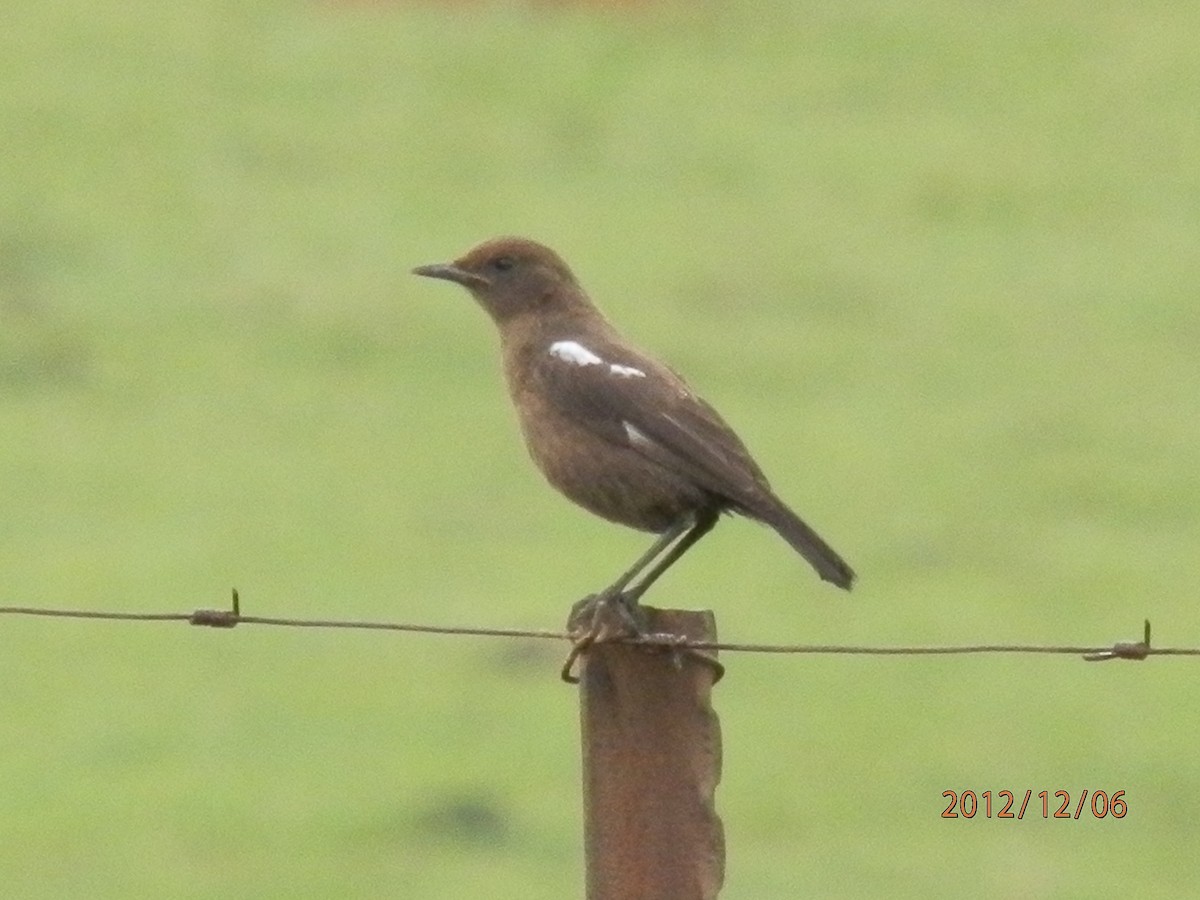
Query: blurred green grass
(936, 262)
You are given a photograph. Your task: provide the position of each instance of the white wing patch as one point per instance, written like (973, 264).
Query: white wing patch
(574, 352)
(579, 355)
(626, 371)
(635, 436)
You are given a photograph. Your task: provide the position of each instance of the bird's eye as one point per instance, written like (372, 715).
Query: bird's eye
(503, 263)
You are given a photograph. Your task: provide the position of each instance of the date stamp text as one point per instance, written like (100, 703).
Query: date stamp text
(1043, 804)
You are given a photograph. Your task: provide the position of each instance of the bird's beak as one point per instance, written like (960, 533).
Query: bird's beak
(451, 272)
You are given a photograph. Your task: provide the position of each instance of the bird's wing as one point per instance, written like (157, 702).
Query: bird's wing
(630, 400)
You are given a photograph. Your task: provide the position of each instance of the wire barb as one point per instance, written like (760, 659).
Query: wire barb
(219, 618)
(1124, 649)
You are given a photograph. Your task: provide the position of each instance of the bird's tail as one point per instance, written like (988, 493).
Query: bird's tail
(807, 543)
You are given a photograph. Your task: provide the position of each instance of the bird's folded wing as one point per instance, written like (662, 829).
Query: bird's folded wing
(629, 400)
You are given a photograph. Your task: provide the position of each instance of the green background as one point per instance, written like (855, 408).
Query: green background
(937, 262)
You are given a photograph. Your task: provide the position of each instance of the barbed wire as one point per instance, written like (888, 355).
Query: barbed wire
(229, 618)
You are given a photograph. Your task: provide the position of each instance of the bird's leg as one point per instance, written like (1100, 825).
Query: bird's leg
(700, 526)
(615, 591)
(660, 544)
(587, 619)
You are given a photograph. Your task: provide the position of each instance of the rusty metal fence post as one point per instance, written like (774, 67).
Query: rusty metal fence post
(651, 763)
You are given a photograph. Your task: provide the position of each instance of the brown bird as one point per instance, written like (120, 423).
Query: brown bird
(614, 430)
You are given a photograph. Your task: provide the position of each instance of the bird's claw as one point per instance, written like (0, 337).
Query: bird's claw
(599, 618)
(619, 611)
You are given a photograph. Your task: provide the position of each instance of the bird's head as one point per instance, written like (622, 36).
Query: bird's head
(511, 277)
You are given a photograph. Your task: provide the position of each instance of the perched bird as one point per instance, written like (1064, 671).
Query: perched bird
(614, 430)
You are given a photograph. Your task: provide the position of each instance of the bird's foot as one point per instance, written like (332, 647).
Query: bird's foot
(598, 618)
(619, 611)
